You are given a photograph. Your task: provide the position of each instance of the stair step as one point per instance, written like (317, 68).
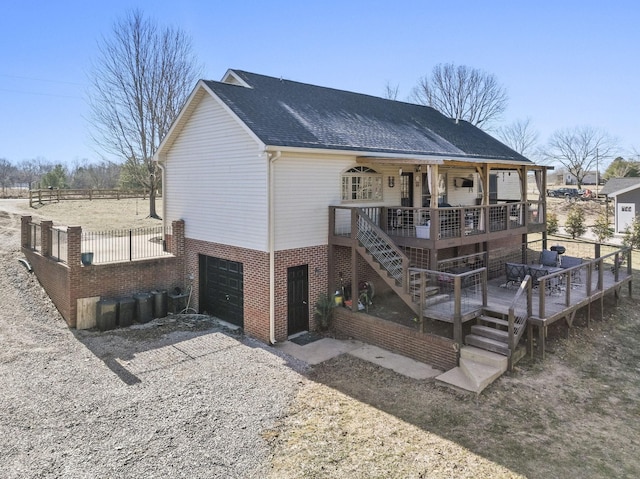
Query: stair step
(483, 356)
(438, 298)
(488, 344)
(491, 333)
(481, 375)
(478, 368)
(492, 320)
(428, 291)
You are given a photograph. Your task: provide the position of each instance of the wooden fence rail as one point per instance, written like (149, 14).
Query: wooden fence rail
(40, 197)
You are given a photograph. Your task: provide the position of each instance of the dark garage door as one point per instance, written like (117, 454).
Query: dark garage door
(222, 289)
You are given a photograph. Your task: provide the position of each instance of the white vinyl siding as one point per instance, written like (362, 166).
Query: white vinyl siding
(216, 180)
(305, 188)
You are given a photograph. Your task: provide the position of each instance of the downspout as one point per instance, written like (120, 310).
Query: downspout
(271, 247)
(164, 203)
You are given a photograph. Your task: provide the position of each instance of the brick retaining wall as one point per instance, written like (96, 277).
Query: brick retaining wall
(427, 348)
(65, 283)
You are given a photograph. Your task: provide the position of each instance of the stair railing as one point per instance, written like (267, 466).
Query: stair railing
(519, 312)
(381, 247)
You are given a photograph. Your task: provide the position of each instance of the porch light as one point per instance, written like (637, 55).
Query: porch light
(392, 182)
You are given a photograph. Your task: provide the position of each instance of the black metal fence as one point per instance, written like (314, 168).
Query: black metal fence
(35, 238)
(59, 246)
(116, 246)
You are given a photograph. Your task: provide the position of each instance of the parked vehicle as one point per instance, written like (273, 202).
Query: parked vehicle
(564, 193)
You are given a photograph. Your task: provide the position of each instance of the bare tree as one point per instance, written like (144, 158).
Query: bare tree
(8, 174)
(462, 93)
(579, 150)
(139, 83)
(391, 91)
(520, 136)
(31, 170)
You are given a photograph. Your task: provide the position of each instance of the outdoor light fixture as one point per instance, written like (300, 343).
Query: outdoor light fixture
(392, 182)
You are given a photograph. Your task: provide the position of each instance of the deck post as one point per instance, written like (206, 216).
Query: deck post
(457, 314)
(355, 297)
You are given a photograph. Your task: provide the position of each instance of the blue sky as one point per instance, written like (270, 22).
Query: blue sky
(564, 64)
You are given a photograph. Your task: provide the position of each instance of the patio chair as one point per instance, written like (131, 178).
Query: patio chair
(537, 272)
(515, 273)
(549, 258)
(576, 275)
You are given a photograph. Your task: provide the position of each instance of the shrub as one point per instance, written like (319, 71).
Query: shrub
(324, 311)
(601, 228)
(632, 234)
(552, 223)
(575, 222)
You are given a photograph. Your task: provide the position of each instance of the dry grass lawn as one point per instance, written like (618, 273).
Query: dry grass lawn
(576, 414)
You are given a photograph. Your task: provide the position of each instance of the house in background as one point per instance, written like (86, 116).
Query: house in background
(625, 193)
(290, 190)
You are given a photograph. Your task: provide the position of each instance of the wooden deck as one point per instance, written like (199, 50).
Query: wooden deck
(558, 296)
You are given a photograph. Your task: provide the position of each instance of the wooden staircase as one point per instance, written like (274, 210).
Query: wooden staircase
(375, 246)
(382, 254)
(491, 333)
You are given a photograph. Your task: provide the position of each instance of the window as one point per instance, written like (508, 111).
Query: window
(361, 183)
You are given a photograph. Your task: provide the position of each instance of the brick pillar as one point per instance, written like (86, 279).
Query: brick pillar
(177, 240)
(45, 231)
(25, 232)
(74, 245)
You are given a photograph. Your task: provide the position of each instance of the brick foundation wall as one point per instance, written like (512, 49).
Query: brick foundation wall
(256, 282)
(54, 277)
(427, 348)
(66, 282)
(316, 259)
(342, 265)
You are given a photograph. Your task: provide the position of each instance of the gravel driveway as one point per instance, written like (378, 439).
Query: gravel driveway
(179, 397)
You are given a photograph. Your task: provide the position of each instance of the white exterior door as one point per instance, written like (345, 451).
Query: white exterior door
(624, 216)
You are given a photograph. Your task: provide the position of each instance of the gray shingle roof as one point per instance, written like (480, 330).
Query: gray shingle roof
(614, 185)
(292, 114)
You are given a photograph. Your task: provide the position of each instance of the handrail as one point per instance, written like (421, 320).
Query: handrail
(519, 320)
(361, 215)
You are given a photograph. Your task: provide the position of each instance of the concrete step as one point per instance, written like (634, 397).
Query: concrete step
(488, 344)
(470, 376)
(483, 356)
(489, 332)
(481, 375)
(457, 379)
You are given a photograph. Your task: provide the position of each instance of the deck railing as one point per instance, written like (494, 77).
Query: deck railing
(125, 245)
(519, 312)
(449, 296)
(443, 222)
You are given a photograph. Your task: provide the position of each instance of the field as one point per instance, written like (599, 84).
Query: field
(576, 414)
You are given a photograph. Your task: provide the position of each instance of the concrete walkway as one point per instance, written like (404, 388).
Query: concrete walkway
(327, 348)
